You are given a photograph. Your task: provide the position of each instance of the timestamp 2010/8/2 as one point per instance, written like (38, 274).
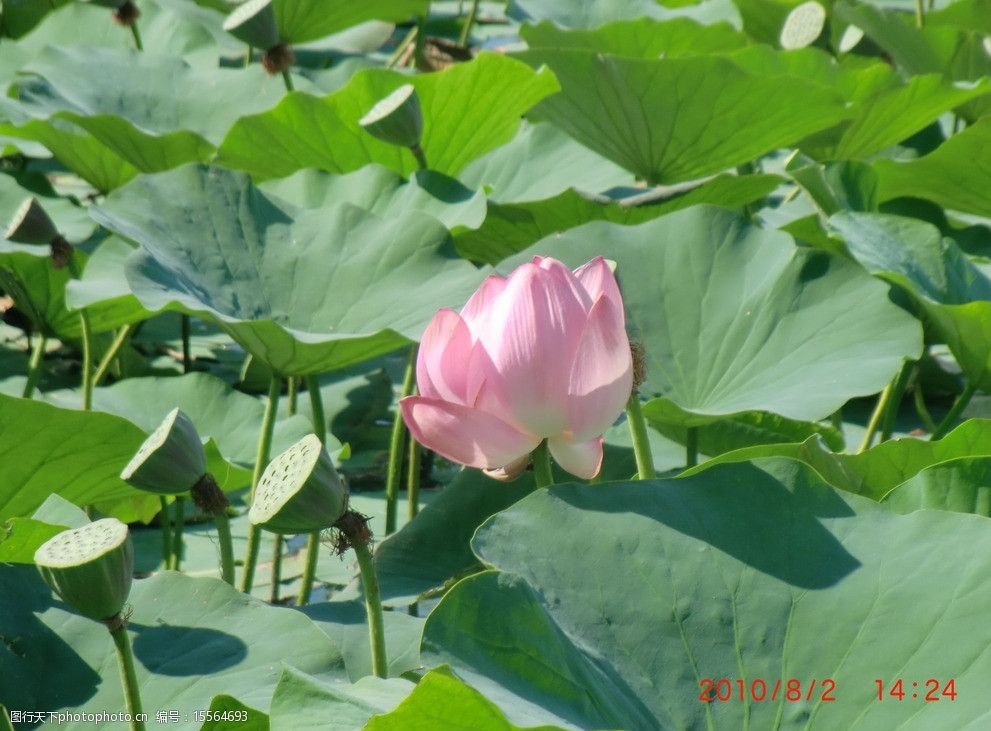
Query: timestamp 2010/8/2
(930, 690)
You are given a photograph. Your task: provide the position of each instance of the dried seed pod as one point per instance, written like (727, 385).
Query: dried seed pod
(397, 118)
(90, 568)
(171, 460)
(300, 491)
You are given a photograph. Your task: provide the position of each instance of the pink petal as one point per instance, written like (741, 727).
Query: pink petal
(511, 471)
(465, 435)
(602, 375)
(441, 365)
(549, 264)
(477, 309)
(580, 458)
(597, 279)
(531, 334)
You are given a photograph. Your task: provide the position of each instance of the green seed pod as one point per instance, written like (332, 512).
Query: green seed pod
(171, 460)
(31, 225)
(397, 118)
(300, 491)
(254, 23)
(90, 567)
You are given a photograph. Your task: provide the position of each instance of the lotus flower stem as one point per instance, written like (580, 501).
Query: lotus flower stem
(373, 607)
(541, 458)
(641, 444)
(919, 398)
(469, 22)
(136, 34)
(261, 461)
(313, 541)
(273, 596)
(34, 365)
(691, 447)
(187, 358)
(287, 80)
(413, 479)
(223, 523)
(180, 521)
(954, 413)
(163, 516)
(396, 445)
(112, 352)
(897, 393)
(125, 663)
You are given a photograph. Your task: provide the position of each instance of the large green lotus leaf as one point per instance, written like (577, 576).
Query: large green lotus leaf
(23, 536)
(970, 15)
(192, 638)
(540, 162)
(103, 286)
(468, 109)
(246, 718)
(669, 120)
(20, 17)
(154, 112)
(510, 228)
(230, 418)
(76, 454)
(304, 290)
(442, 701)
(640, 38)
(434, 547)
(385, 193)
(959, 485)
(954, 175)
(953, 293)
(889, 116)
(622, 597)
(304, 703)
(735, 318)
(880, 469)
(589, 14)
(300, 21)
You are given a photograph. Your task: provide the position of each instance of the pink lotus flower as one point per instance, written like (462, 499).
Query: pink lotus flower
(541, 354)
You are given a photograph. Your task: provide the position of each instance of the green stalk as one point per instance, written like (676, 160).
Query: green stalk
(166, 532)
(136, 34)
(421, 159)
(420, 41)
(413, 479)
(247, 57)
(954, 413)
(313, 540)
(691, 447)
(920, 14)
(261, 461)
(469, 22)
(919, 400)
(541, 458)
(112, 352)
(273, 595)
(287, 80)
(401, 48)
(875, 420)
(894, 401)
(34, 365)
(396, 447)
(87, 338)
(292, 395)
(187, 358)
(373, 607)
(223, 524)
(180, 521)
(128, 678)
(641, 444)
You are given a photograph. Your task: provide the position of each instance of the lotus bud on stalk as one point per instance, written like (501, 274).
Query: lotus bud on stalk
(91, 569)
(397, 120)
(254, 23)
(538, 359)
(171, 461)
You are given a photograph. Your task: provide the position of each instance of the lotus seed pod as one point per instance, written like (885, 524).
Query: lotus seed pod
(254, 23)
(396, 119)
(90, 567)
(171, 460)
(803, 25)
(31, 225)
(850, 38)
(300, 491)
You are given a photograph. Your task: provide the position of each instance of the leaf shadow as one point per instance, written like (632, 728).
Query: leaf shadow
(177, 650)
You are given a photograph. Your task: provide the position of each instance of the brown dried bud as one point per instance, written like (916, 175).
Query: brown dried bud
(61, 252)
(126, 14)
(208, 496)
(639, 363)
(352, 528)
(278, 58)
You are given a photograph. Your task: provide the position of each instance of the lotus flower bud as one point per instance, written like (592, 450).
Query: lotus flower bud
(300, 491)
(397, 118)
(541, 354)
(171, 460)
(90, 568)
